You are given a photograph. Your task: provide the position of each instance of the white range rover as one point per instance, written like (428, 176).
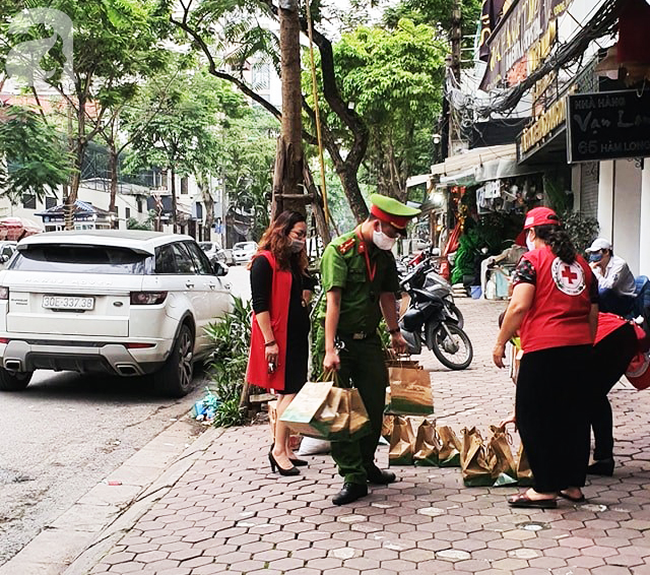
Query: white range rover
(124, 303)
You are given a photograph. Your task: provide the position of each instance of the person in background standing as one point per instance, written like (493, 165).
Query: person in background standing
(616, 286)
(281, 289)
(554, 307)
(360, 280)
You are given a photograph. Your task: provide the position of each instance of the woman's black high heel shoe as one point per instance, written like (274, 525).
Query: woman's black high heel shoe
(275, 465)
(299, 462)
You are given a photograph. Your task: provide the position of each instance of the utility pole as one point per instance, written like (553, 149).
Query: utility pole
(454, 67)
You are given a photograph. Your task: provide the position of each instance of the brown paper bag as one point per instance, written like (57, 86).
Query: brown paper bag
(449, 453)
(324, 411)
(387, 426)
(410, 391)
(504, 471)
(402, 441)
(524, 473)
(410, 363)
(476, 462)
(427, 446)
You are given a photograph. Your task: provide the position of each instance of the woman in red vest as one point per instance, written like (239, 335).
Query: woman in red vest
(554, 307)
(279, 350)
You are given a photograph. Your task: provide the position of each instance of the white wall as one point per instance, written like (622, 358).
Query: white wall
(644, 224)
(606, 199)
(627, 212)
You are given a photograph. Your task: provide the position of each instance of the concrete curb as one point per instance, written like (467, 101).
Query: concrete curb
(77, 540)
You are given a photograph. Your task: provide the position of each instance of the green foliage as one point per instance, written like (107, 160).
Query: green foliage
(231, 337)
(35, 156)
(581, 229)
(249, 143)
(394, 77)
(147, 225)
(435, 13)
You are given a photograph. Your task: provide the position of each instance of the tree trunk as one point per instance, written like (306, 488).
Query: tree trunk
(112, 170)
(79, 152)
(289, 157)
(208, 203)
(172, 174)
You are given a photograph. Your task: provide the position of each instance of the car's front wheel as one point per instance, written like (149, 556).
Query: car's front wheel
(14, 380)
(175, 378)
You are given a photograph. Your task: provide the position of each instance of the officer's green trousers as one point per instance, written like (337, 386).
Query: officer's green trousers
(362, 366)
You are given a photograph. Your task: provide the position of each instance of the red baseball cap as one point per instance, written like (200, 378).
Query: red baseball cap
(539, 217)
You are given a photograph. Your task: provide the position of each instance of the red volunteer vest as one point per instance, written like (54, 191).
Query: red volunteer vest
(257, 372)
(559, 315)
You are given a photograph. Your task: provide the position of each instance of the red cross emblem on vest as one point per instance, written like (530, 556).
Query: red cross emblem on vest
(568, 278)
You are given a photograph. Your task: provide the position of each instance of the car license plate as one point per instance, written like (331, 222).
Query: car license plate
(68, 302)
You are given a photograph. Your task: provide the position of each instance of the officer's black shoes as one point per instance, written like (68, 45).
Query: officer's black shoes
(378, 477)
(602, 467)
(350, 493)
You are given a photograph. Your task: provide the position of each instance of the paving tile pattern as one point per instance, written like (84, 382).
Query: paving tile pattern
(229, 514)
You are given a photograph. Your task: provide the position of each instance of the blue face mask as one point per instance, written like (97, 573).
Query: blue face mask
(595, 257)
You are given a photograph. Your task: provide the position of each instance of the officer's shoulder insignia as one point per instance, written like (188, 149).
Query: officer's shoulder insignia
(346, 246)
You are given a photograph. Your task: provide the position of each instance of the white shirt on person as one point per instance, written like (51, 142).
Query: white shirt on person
(617, 276)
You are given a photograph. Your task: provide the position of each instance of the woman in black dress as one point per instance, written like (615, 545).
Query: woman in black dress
(281, 289)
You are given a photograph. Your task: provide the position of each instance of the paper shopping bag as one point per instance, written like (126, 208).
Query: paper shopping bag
(504, 471)
(410, 363)
(476, 462)
(387, 426)
(427, 445)
(324, 411)
(449, 454)
(402, 441)
(524, 473)
(410, 391)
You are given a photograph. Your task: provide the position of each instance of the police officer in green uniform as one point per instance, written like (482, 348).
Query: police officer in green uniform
(359, 276)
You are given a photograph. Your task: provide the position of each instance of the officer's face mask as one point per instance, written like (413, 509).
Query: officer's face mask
(596, 257)
(381, 240)
(529, 243)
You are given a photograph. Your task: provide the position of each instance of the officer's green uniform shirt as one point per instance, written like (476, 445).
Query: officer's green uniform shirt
(343, 266)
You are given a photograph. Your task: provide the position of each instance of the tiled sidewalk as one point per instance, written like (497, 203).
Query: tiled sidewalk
(229, 514)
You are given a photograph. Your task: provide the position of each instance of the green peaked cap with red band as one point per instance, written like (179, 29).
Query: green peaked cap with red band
(392, 211)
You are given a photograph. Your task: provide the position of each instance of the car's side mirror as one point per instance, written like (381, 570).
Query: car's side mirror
(4, 258)
(220, 269)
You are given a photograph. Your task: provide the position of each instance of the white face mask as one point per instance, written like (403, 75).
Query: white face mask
(297, 245)
(529, 244)
(382, 241)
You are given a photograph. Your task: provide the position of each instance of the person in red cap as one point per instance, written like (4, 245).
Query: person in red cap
(554, 307)
(359, 278)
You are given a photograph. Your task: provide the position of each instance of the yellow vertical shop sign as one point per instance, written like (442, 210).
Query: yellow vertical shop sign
(543, 126)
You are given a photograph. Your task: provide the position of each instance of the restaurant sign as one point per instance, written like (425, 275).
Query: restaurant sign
(521, 41)
(608, 125)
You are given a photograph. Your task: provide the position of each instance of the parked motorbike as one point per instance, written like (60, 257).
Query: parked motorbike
(424, 274)
(433, 320)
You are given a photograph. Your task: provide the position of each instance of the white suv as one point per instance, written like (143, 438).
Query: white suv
(115, 302)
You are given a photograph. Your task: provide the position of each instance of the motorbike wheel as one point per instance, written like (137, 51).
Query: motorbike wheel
(456, 314)
(454, 352)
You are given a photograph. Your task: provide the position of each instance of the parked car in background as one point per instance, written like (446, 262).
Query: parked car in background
(243, 252)
(213, 251)
(7, 249)
(115, 302)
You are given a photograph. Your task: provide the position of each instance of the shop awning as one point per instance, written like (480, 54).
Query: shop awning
(477, 166)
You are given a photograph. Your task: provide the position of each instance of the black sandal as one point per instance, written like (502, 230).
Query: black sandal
(522, 500)
(568, 497)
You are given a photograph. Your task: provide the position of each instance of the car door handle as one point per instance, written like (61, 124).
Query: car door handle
(212, 286)
(189, 285)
